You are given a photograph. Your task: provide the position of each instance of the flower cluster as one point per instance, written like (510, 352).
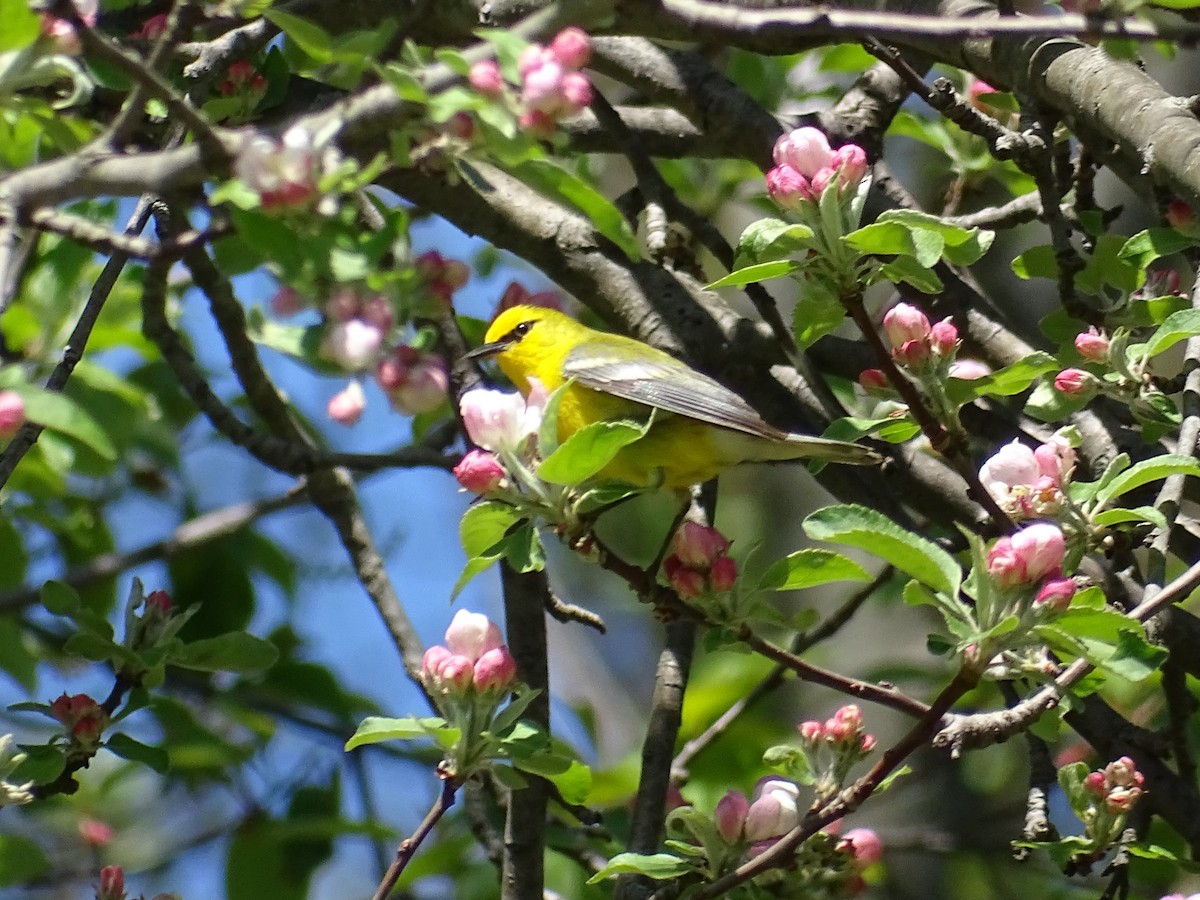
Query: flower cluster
(415, 381)
(1033, 556)
(1026, 483)
(355, 327)
(284, 172)
(552, 85)
(772, 813)
(805, 166)
(12, 794)
(474, 661)
(12, 413)
(699, 562)
(834, 746)
(441, 276)
(918, 345)
(1104, 798)
(243, 78)
(84, 717)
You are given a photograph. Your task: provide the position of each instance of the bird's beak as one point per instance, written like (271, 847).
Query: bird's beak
(483, 351)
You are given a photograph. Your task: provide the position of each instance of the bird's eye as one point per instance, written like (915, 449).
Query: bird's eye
(521, 330)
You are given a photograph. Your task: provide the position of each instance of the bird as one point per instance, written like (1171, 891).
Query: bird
(700, 427)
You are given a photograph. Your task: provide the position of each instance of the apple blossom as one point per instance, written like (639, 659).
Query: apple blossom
(485, 77)
(805, 150)
(500, 421)
(730, 816)
(1027, 556)
(969, 369)
(1074, 382)
(788, 188)
(774, 810)
(904, 323)
(1092, 345)
(480, 472)
(415, 381)
(864, 844)
(352, 345)
(347, 405)
(12, 413)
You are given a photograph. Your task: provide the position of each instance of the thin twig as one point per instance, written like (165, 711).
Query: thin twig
(408, 846)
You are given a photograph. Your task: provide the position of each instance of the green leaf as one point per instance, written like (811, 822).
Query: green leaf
(1120, 516)
(42, 764)
(756, 273)
(1154, 469)
(769, 240)
(1047, 404)
(58, 413)
(559, 184)
(60, 599)
(308, 36)
(19, 27)
(589, 450)
(484, 525)
(1107, 639)
(874, 532)
(21, 860)
(811, 567)
(1037, 262)
(376, 729)
(474, 566)
(523, 549)
(1178, 327)
(135, 751)
(926, 238)
(1012, 379)
(907, 270)
(659, 866)
(235, 651)
(572, 778)
(1153, 243)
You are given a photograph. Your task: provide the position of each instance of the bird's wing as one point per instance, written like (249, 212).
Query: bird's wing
(659, 380)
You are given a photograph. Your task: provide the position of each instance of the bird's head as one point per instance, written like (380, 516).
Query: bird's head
(528, 340)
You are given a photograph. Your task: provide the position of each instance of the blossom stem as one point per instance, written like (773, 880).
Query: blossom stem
(408, 846)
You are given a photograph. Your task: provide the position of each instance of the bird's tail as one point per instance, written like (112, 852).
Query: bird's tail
(807, 447)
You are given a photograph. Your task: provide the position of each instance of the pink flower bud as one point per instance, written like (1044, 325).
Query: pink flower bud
(541, 87)
(1074, 382)
(472, 635)
(94, 832)
(774, 811)
(533, 57)
(352, 345)
(788, 188)
(537, 123)
(976, 93)
(1123, 772)
(485, 77)
(874, 381)
(730, 816)
(414, 380)
(1121, 800)
(699, 545)
(480, 472)
(112, 884)
(1092, 345)
(969, 369)
(455, 274)
(495, 671)
(850, 161)
(283, 173)
(687, 583)
(1095, 783)
(286, 302)
(1055, 460)
(723, 574)
(433, 660)
(943, 337)
(1181, 216)
(864, 844)
(805, 149)
(516, 294)
(903, 323)
(377, 311)
(811, 731)
(152, 28)
(460, 125)
(571, 47)
(12, 413)
(846, 722)
(430, 265)
(576, 92)
(1056, 594)
(911, 354)
(159, 602)
(456, 674)
(347, 405)
(1027, 556)
(821, 179)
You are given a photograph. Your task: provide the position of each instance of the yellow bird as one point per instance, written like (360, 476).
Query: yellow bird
(709, 428)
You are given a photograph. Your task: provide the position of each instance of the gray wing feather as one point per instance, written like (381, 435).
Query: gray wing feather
(667, 384)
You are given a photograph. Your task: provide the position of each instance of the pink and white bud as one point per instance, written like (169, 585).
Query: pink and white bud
(415, 381)
(159, 602)
(495, 671)
(864, 844)
(283, 173)
(571, 47)
(686, 582)
(805, 150)
(432, 661)
(969, 369)
(1074, 382)
(788, 188)
(112, 884)
(912, 354)
(496, 420)
(353, 345)
(12, 413)
(699, 545)
(1013, 465)
(287, 301)
(774, 810)
(1027, 556)
(516, 294)
(904, 323)
(723, 574)
(730, 816)
(943, 337)
(534, 57)
(1122, 800)
(472, 635)
(541, 87)
(95, 833)
(480, 472)
(1056, 460)
(873, 381)
(1092, 345)
(850, 161)
(977, 92)
(1055, 594)
(486, 78)
(811, 731)
(456, 674)
(1095, 783)
(347, 405)
(576, 92)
